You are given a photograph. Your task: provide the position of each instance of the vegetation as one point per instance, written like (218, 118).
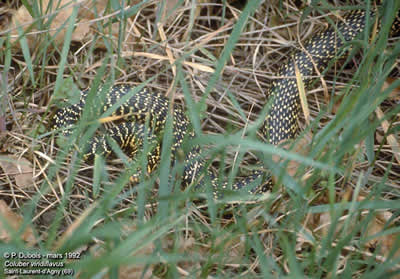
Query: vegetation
(333, 210)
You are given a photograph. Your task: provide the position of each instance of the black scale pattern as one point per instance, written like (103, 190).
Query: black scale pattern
(280, 123)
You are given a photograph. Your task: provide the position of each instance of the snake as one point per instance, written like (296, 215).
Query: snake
(280, 124)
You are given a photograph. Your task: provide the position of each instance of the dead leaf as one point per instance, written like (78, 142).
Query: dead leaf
(324, 223)
(14, 221)
(394, 144)
(385, 242)
(89, 14)
(63, 10)
(20, 169)
(129, 271)
(302, 240)
(168, 12)
(301, 147)
(133, 272)
(234, 247)
(378, 224)
(395, 94)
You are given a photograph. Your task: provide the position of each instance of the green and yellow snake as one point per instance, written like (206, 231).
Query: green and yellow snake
(280, 122)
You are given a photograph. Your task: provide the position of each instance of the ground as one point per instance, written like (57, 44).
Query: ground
(332, 212)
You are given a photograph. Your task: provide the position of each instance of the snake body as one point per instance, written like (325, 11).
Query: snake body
(280, 122)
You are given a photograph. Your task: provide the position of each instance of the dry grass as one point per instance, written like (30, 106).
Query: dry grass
(280, 234)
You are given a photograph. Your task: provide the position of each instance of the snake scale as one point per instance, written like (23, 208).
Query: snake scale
(280, 122)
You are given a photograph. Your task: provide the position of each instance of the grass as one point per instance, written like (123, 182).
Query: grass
(335, 216)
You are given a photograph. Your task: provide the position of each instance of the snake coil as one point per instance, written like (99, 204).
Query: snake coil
(280, 123)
